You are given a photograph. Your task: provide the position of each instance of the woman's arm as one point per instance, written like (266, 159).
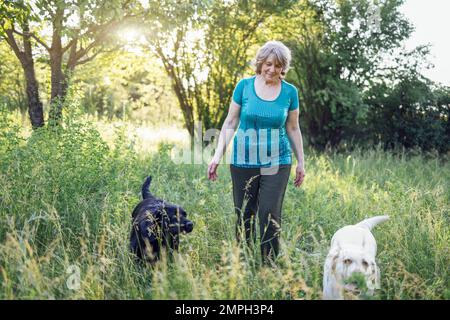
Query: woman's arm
(228, 129)
(296, 140)
(226, 134)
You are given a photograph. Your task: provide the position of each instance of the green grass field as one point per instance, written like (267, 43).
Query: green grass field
(66, 198)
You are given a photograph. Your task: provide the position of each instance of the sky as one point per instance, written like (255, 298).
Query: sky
(432, 25)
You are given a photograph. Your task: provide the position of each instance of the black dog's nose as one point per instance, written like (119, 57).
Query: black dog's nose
(189, 226)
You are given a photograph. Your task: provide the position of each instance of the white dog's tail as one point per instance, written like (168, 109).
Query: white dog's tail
(370, 223)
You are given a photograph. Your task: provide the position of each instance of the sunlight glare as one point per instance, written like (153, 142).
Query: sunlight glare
(129, 35)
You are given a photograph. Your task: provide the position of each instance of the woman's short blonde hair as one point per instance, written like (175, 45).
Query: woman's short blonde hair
(281, 53)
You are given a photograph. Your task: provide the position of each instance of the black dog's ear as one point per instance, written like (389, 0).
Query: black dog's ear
(165, 220)
(170, 210)
(182, 212)
(176, 213)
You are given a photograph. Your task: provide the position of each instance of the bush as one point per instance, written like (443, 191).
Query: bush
(411, 115)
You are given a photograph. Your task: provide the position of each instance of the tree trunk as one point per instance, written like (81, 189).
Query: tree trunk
(177, 86)
(58, 79)
(35, 109)
(58, 88)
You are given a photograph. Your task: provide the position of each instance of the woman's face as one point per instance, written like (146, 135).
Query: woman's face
(271, 69)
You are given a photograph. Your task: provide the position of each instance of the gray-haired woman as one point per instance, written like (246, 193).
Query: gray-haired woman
(265, 107)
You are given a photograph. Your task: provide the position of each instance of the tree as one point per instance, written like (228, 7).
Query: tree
(79, 32)
(13, 15)
(204, 46)
(338, 50)
(413, 113)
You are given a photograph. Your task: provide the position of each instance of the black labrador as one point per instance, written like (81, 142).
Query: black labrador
(156, 224)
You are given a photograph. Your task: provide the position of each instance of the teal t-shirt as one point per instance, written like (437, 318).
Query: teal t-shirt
(261, 139)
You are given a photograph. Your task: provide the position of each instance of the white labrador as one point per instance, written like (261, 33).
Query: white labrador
(353, 250)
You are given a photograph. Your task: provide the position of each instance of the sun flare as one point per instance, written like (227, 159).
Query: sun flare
(129, 35)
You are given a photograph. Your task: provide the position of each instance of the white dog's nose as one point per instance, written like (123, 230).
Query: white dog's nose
(351, 287)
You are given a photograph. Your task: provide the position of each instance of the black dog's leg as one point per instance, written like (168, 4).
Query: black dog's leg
(136, 244)
(174, 242)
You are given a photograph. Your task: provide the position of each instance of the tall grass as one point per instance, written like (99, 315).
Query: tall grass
(66, 197)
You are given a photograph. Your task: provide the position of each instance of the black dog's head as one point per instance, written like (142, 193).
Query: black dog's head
(175, 221)
(156, 223)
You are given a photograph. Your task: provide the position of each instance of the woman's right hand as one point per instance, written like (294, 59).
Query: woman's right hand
(212, 170)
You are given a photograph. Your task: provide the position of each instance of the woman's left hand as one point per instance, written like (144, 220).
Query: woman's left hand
(299, 175)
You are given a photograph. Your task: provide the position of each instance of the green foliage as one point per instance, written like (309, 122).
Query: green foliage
(338, 49)
(412, 114)
(65, 165)
(12, 12)
(12, 90)
(127, 85)
(196, 51)
(210, 45)
(10, 138)
(80, 30)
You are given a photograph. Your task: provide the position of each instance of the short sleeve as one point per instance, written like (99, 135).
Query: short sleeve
(294, 99)
(238, 92)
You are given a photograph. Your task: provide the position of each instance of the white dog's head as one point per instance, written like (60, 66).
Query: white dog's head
(347, 263)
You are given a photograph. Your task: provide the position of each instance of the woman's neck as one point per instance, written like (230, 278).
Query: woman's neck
(272, 83)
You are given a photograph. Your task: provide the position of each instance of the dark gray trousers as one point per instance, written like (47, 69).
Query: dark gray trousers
(263, 195)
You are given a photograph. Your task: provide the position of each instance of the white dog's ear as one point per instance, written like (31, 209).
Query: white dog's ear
(333, 256)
